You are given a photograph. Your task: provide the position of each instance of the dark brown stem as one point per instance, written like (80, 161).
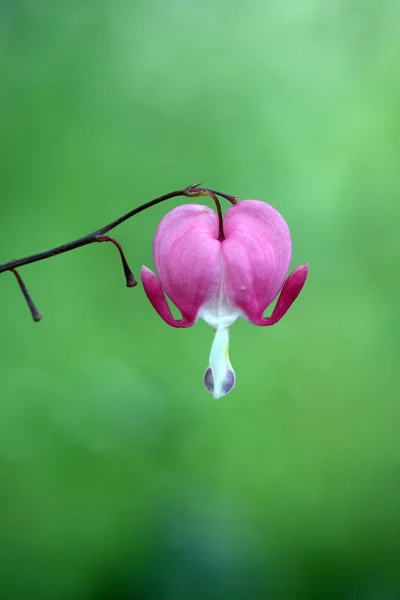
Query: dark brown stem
(221, 236)
(36, 316)
(196, 190)
(193, 191)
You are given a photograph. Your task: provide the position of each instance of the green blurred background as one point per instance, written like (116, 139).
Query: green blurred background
(120, 477)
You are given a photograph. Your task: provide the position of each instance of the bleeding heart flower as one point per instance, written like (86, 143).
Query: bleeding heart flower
(220, 281)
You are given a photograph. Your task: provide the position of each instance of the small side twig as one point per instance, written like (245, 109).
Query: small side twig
(36, 316)
(130, 280)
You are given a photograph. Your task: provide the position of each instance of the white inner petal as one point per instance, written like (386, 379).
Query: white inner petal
(219, 378)
(218, 312)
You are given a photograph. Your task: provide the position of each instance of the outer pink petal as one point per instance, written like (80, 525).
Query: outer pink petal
(256, 255)
(156, 296)
(187, 256)
(292, 288)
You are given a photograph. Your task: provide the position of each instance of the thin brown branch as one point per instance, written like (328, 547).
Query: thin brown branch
(192, 191)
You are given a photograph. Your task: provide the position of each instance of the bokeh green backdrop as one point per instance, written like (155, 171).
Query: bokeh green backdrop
(120, 477)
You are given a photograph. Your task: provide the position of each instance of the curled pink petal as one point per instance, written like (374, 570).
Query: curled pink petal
(256, 255)
(291, 289)
(156, 296)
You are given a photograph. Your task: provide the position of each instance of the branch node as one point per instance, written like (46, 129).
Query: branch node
(194, 191)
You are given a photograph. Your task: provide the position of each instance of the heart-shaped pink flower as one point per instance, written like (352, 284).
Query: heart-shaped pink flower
(220, 281)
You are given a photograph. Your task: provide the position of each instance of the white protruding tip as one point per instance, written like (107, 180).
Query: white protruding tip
(219, 378)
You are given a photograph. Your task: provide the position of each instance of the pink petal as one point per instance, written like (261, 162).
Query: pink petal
(187, 256)
(156, 296)
(292, 288)
(256, 255)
